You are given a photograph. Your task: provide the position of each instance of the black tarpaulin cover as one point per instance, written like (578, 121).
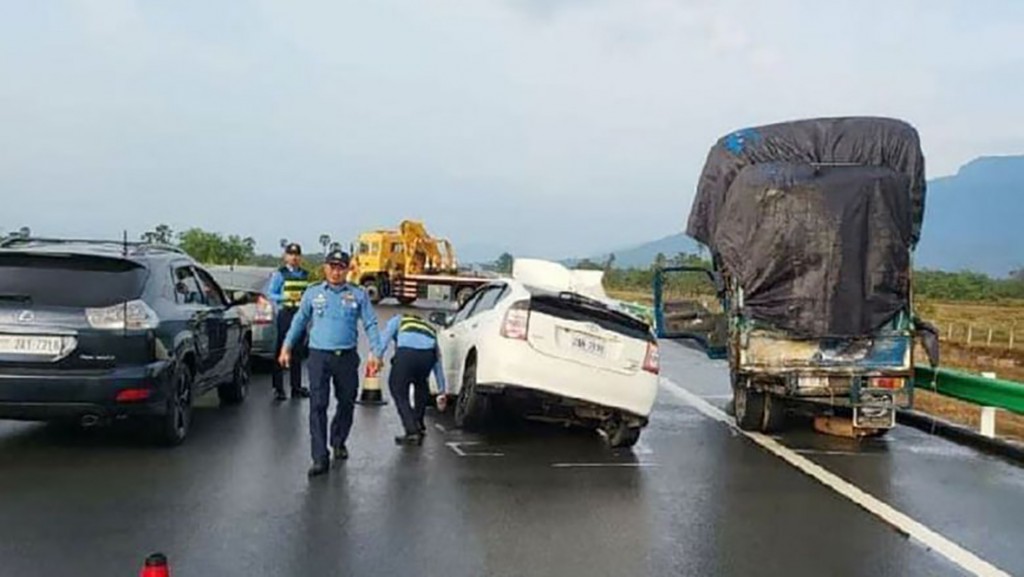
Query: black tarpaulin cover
(818, 251)
(853, 140)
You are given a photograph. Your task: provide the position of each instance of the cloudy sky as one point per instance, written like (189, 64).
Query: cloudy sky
(547, 127)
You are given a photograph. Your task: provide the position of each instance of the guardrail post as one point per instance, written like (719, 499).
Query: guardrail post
(1013, 330)
(990, 336)
(949, 335)
(970, 334)
(988, 415)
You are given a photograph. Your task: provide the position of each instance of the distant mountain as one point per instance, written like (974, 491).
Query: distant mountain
(644, 255)
(973, 220)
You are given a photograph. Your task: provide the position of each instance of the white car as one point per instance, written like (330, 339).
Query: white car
(549, 342)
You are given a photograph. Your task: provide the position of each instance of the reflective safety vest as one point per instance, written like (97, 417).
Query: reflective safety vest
(415, 325)
(295, 283)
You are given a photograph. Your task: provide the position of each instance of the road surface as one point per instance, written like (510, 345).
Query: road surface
(695, 497)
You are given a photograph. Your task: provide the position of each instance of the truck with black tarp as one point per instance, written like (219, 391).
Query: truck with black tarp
(811, 227)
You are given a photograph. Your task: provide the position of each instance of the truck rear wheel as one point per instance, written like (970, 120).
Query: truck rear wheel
(749, 408)
(372, 290)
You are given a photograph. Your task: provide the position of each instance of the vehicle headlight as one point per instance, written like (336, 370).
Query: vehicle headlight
(132, 315)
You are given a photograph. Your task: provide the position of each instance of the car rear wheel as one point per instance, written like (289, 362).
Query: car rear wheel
(234, 392)
(172, 428)
(471, 408)
(619, 435)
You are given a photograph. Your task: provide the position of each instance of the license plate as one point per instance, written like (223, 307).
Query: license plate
(30, 345)
(587, 344)
(876, 412)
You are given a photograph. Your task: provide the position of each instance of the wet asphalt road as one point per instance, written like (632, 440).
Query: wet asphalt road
(694, 498)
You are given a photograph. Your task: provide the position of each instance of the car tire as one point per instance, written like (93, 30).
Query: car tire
(748, 405)
(172, 428)
(372, 291)
(622, 436)
(471, 408)
(235, 391)
(405, 301)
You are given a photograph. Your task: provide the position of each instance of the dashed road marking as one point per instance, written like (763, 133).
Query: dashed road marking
(456, 447)
(955, 553)
(832, 453)
(599, 465)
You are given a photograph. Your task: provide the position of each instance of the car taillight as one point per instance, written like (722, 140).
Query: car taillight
(517, 321)
(652, 361)
(264, 312)
(892, 383)
(133, 395)
(133, 315)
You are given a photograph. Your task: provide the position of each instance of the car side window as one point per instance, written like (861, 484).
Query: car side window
(186, 287)
(467, 308)
(488, 300)
(212, 295)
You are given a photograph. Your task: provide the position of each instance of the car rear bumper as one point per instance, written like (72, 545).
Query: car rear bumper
(517, 365)
(35, 395)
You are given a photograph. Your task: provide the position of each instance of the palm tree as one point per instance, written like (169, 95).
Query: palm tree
(325, 241)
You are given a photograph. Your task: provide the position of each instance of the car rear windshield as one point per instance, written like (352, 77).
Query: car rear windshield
(69, 280)
(575, 308)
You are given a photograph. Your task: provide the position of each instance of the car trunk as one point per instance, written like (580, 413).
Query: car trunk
(44, 304)
(576, 329)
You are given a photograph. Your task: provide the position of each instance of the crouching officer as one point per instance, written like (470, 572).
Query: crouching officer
(416, 356)
(334, 309)
(287, 285)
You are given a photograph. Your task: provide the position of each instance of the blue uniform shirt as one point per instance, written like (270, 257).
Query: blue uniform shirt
(411, 340)
(334, 313)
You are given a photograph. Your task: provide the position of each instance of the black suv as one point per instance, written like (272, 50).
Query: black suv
(92, 331)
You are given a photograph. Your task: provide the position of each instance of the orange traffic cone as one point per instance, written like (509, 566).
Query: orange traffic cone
(372, 393)
(156, 566)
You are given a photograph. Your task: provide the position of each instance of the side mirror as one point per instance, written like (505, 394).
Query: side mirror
(439, 318)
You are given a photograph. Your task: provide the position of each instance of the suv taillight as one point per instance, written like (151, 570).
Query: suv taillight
(132, 315)
(652, 361)
(517, 321)
(264, 312)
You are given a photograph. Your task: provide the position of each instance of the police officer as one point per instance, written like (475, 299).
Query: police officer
(285, 290)
(416, 356)
(333, 310)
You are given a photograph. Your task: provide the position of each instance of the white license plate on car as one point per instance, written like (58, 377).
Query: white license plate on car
(587, 344)
(30, 345)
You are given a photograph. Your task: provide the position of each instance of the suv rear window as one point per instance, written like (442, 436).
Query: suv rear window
(69, 281)
(575, 308)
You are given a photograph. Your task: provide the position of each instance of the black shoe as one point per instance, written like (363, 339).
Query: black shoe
(279, 395)
(423, 429)
(300, 393)
(340, 453)
(412, 440)
(318, 469)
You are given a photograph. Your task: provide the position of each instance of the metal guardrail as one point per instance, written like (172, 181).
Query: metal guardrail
(976, 389)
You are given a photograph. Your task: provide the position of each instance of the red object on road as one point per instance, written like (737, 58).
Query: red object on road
(156, 566)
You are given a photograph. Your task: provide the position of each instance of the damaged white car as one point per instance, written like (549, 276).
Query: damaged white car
(549, 343)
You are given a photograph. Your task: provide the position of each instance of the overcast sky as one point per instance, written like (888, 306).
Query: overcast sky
(548, 127)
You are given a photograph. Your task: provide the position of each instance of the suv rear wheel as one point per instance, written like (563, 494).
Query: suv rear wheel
(234, 392)
(472, 408)
(172, 428)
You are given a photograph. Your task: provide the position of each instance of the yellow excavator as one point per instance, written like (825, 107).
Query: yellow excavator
(409, 264)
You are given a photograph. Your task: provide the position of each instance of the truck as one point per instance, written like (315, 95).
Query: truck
(409, 264)
(811, 227)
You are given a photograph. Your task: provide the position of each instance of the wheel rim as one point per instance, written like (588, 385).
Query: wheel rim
(182, 405)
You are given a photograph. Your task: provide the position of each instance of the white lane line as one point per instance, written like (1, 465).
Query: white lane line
(457, 448)
(440, 427)
(717, 397)
(832, 453)
(641, 448)
(962, 557)
(596, 465)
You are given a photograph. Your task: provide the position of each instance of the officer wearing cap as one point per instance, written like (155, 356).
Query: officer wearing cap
(416, 356)
(333, 310)
(285, 290)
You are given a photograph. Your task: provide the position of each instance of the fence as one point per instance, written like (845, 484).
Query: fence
(1009, 336)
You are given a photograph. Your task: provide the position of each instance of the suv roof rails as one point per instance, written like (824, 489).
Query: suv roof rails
(136, 247)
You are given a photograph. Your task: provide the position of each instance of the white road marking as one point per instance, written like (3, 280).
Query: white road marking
(641, 448)
(596, 465)
(457, 448)
(832, 453)
(440, 427)
(717, 397)
(962, 557)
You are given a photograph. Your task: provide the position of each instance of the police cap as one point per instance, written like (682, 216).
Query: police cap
(338, 257)
(293, 248)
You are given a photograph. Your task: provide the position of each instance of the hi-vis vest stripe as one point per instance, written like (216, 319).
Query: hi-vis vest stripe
(292, 291)
(415, 325)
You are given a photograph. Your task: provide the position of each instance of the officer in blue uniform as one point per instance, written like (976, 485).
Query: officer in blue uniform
(333, 310)
(416, 356)
(285, 290)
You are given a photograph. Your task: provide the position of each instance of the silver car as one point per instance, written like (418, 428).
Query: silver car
(252, 281)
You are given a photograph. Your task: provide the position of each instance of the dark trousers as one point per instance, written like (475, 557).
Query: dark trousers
(342, 368)
(411, 367)
(284, 322)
